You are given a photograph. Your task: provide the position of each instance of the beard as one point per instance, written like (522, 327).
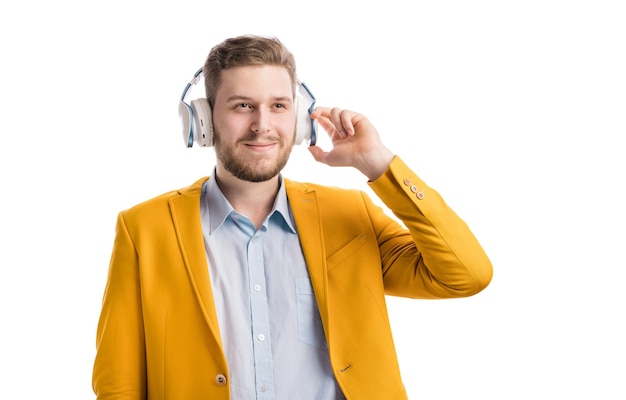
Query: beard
(260, 168)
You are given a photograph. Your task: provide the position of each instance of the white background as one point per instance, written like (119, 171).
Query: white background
(513, 110)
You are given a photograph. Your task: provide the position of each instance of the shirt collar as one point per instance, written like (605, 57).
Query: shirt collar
(220, 208)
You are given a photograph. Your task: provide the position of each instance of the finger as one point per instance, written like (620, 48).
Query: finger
(324, 116)
(343, 121)
(318, 154)
(338, 118)
(328, 126)
(346, 121)
(321, 112)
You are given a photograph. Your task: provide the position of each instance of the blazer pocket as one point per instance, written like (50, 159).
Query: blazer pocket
(310, 328)
(346, 251)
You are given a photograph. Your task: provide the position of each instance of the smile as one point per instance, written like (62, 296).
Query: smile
(261, 146)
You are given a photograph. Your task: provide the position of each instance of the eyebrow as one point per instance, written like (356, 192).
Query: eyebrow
(238, 97)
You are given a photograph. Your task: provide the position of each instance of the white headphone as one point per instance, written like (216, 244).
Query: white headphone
(197, 117)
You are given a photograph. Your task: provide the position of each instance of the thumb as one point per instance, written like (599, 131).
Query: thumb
(318, 154)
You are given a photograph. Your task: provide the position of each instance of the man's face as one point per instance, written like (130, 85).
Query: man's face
(254, 118)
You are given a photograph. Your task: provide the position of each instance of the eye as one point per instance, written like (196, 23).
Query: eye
(243, 105)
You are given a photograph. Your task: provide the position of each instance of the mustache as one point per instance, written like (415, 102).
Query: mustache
(254, 137)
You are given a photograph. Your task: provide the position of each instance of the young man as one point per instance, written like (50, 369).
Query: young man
(247, 285)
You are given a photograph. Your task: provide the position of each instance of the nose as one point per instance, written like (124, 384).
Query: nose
(261, 122)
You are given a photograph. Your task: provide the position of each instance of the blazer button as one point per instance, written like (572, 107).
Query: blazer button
(220, 379)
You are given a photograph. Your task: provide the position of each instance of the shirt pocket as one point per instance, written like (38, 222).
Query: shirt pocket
(310, 328)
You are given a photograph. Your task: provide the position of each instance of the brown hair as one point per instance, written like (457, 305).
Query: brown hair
(242, 51)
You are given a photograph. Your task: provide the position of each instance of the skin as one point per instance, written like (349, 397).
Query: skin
(254, 119)
(356, 142)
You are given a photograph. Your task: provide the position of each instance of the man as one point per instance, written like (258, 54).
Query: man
(247, 285)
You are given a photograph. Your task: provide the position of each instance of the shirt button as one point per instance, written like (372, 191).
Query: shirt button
(261, 337)
(414, 189)
(257, 288)
(264, 388)
(407, 181)
(220, 379)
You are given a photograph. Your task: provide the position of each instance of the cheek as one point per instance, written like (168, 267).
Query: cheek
(227, 127)
(287, 125)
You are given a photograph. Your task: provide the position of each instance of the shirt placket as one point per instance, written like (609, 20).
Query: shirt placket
(261, 336)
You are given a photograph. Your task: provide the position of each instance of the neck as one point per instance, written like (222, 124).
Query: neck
(252, 199)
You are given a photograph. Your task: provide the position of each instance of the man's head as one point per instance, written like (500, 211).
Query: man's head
(250, 83)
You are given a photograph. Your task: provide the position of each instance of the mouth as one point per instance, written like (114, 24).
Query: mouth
(261, 146)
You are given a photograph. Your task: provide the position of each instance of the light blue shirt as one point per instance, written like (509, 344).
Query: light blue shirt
(269, 321)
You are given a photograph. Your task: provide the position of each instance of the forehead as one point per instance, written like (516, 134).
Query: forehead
(255, 81)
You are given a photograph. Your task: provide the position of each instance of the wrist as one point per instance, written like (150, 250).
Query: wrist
(377, 163)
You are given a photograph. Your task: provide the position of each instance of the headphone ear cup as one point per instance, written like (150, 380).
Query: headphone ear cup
(203, 122)
(186, 120)
(305, 126)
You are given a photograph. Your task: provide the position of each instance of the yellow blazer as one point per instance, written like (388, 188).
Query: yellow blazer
(158, 335)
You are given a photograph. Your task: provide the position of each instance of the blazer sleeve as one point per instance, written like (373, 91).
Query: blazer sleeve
(120, 365)
(439, 257)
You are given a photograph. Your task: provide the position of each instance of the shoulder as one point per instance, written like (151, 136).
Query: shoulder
(321, 190)
(161, 201)
(330, 199)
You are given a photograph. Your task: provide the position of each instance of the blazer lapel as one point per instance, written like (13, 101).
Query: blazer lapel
(185, 211)
(305, 207)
